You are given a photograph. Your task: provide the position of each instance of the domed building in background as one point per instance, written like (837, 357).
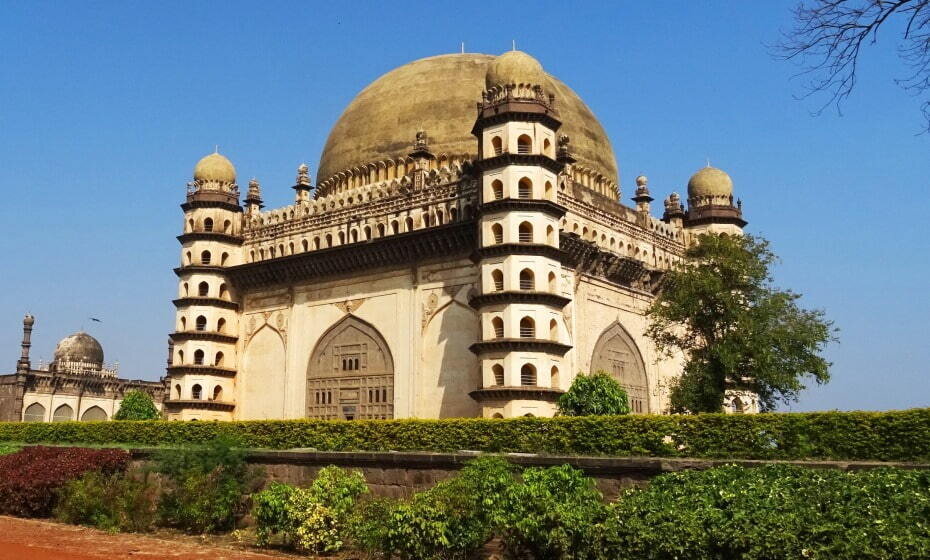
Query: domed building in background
(463, 252)
(75, 385)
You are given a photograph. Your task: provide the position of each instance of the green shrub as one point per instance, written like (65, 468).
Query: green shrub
(594, 395)
(313, 519)
(115, 502)
(551, 515)
(137, 405)
(7, 448)
(884, 436)
(204, 487)
(454, 519)
(775, 512)
(269, 509)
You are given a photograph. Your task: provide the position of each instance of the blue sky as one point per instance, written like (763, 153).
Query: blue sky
(105, 108)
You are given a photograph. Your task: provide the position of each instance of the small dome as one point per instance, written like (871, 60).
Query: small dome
(215, 167)
(710, 181)
(79, 347)
(514, 67)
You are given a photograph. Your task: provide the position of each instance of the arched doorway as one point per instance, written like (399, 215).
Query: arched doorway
(34, 413)
(616, 354)
(63, 413)
(351, 374)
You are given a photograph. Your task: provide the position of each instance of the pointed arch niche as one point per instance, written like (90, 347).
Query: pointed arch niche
(261, 379)
(351, 373)
(617, 354)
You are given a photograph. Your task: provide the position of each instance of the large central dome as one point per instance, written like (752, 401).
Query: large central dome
(439, 95)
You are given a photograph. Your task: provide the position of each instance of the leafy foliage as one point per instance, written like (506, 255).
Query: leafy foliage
(204, 486)
(594, 395)
(137, 405)
(30, 479)
(313, 519)
(7, 448)
(552, 515)
(113, 502)
(452, 520)
(735, 328)
(884, 436)
(774, 512)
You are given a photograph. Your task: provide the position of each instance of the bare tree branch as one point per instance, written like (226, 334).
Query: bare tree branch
(830, 35)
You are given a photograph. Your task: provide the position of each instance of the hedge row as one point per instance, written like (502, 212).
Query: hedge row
(883, 436)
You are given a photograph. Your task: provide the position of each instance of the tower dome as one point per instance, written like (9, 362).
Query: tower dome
(80, 347)
(438, 95)
(215, 167)
(514, 67)
(710, 182)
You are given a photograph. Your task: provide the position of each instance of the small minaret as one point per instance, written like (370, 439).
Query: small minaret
(301, 187)
(422, 157)
(24, 365)
(253, 199)
(642, 198)
(674, 211)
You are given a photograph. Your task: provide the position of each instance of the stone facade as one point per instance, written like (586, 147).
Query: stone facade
(440, 278)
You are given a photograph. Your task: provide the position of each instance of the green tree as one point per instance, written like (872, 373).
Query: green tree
(592, 395)
(735, 328)
(137, 405)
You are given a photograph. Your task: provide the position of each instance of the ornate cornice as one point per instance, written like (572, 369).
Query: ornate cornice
(203, 335)
(194, 268)
(714, 214)
(520, 345)
(191, 369)
(205, 301)
(587, 257)
(543, 298)
(210, 236)
(73, 384)
(519, 204)
(524, 392)
(226, 202)
(201, 404)
(535, 249)
(394, 250)
(509, 158)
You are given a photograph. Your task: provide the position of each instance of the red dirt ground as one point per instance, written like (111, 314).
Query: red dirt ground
(29, 539)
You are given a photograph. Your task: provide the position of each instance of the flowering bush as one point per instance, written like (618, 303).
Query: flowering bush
(31, 478)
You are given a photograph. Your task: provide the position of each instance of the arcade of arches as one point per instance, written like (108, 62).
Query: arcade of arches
(351, 374)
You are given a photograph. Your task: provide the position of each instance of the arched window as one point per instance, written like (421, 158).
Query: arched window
(226, 225)
(205, 257)
(290, 247)
(217, 393)
(367, 232)
(189, 258)
(553, 330)
(281, 249)
(224, 293)
(498, 189)
(94, 414)
(554, 377)
(34, 413)
(498, 232)
(329, 240)
(180, 357)
(498, 278)
(198, 358)
(353, 235)
(304, 245)
(208, 224)
(497, 415)
(738, 406)
(547, 147)
(527, 280)
(498, 325)
(408, 224)
(439, 218)
(548, 190)
(196, 392)
(203, 289)
(550, 235)
(63, 413)
(190, 225)
(524, 144)
(183, 324)
(525, 188)
(316, 243)
(498, 145)
(527, 328)
(526, 232)
(528, 375)
(380, 230)
(252, 255)
(553, 286)
(394, 227)
(221, 325)
(219, 359)
(177, 391)
(186, 289)
(453, 214)
(201, 323)
(498, 371)
(261, 254)
(426, 219)
(224, 258)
